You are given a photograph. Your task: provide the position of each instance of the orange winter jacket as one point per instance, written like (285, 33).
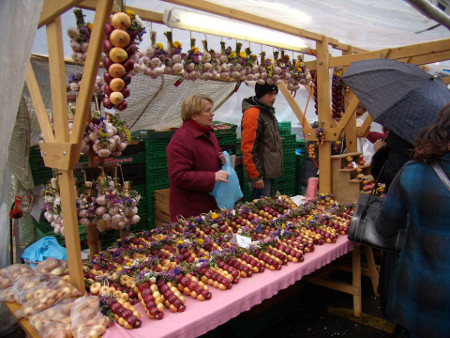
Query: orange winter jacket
(261, 145)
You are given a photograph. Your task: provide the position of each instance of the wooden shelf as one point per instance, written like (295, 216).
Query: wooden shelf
(345, 155)
(29, 329)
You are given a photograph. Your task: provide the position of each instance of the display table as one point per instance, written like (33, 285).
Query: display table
(201, 317)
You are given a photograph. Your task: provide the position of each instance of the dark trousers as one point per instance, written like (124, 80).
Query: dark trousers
(266, 191)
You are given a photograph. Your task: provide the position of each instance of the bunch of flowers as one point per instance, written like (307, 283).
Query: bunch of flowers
(52, 206)
(74, 82)
(192, 62)
(153, 58)
(174, 57)
(86, 204)
(116, 205)
(250, 65)
(265, 70)
(80, 36)
(208, 63)
(137, 29)
(237, 61)
(106, 136)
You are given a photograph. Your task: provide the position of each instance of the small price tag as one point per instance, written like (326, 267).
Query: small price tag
(243, 241)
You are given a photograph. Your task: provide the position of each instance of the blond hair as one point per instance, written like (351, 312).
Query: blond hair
(193, 105)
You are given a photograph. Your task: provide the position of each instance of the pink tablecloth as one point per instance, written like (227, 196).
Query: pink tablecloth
(201, 317)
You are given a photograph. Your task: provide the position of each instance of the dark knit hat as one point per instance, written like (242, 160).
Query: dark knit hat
(261, 90)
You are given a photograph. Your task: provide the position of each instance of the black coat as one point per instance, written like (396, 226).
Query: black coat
(393, 156)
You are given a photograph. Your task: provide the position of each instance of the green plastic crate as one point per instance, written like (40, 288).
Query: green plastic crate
(220, 132)
(284, 127)
(151, 134)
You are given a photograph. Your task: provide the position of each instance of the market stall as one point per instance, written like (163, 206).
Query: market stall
(61, 149)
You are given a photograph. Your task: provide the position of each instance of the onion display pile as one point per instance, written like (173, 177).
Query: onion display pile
(119, 47)
(184, 259)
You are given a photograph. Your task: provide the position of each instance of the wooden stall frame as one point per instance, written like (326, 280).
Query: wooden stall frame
(62, 153)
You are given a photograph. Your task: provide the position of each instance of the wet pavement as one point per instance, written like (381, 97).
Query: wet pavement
(307, 310)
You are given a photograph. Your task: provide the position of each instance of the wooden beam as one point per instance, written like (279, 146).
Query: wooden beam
(349, 113)
(51, 9)
(60, 110)
(71, 232)
(39, 107)
(349, 49)
(323, 102)
(364, 129)
(426, 59)
(143, 14)
(235, 14)
(298, 112)
(411, 51)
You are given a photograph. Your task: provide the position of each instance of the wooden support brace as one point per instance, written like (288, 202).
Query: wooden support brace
(353, 289)
(71, 232)
(61, 156)
(364, 129)
(323, 101)
(39, 107)
(298, 112)
(60, 110)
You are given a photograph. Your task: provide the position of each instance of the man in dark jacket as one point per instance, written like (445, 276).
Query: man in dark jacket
(261, 145)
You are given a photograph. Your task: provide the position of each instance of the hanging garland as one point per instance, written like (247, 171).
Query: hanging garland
(337, 94)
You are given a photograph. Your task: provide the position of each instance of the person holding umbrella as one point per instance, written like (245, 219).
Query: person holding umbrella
(420, 297)
(403, 98)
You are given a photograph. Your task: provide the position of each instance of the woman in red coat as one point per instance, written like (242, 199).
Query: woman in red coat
(194, 159)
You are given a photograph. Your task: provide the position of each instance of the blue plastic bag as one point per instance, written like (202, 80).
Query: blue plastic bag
(42, 249)
(226, 194)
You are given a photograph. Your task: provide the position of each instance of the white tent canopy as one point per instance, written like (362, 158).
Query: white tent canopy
(369, 25)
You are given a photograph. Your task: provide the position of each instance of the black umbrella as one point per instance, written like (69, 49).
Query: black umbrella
(400, 96)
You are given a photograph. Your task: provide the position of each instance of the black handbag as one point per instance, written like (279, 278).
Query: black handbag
(363, 225)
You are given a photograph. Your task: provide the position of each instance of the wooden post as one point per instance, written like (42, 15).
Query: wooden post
(323, 101)
(92, 239)
(61, 150)
(71, 233)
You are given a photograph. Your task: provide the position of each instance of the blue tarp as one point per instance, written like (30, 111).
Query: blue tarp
(42, 249)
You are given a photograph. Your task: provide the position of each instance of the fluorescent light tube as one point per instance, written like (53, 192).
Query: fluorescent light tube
(182, 19)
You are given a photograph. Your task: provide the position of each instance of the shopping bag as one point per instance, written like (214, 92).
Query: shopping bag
(226, 194)
(42, 249)
(363, 225)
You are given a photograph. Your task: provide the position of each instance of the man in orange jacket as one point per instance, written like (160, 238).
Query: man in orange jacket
(261, 145)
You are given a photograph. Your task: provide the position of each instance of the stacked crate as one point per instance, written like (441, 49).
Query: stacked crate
(226, 135)
(286, 183)
(240, 172)
(299, 156)
(156, 172)
(41, 174)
